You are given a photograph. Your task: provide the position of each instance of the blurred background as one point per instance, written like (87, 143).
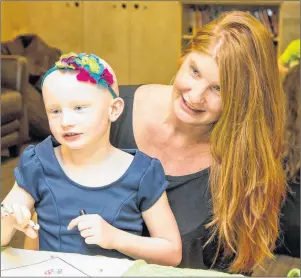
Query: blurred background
(142, 40)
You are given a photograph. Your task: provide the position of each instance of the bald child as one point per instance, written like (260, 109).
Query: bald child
(77, 169)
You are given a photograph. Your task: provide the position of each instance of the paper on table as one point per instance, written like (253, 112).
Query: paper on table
(90, 265)
(51, 267)
(98, 266)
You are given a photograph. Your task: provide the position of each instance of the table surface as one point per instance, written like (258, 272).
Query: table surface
(14, 260)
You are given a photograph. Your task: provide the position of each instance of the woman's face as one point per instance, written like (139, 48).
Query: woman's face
(196, 90)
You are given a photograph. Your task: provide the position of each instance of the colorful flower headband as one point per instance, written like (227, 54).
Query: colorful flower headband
(90, 68)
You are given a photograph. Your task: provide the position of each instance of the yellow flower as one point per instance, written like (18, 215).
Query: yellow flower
(63, 65)
(66, 56)
(63, 61)
(93, 65)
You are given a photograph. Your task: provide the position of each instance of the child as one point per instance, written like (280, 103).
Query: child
(78, 170)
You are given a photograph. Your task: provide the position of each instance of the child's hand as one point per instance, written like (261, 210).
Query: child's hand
(20, 217)
(95, 230)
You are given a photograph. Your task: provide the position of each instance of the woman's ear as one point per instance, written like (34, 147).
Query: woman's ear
(116, 109)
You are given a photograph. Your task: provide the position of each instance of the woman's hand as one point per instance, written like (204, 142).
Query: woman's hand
(20, 218)
(95, 230)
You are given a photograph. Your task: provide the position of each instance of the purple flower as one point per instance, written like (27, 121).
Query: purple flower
(68, 60)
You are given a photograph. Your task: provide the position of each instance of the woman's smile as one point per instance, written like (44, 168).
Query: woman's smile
(189, 108)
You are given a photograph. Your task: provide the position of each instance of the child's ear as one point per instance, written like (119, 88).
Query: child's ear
(116, 109)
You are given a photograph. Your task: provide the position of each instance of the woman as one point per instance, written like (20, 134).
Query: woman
(224, 112)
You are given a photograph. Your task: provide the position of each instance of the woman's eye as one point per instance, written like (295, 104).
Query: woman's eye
(194, 70)
(217, 88)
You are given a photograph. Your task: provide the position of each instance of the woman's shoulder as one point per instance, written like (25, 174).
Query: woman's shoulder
(152, 96)
(152, 90)
(140, 93)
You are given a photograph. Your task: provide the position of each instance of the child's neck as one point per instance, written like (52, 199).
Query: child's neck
(88, 156)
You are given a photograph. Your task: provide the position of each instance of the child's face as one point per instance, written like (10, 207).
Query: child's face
(79, 113)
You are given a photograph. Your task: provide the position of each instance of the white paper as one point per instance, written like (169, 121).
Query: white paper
(98, 266)
(52, 267)
(19, 262)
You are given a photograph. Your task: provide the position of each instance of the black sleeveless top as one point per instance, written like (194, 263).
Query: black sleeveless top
(189, 197)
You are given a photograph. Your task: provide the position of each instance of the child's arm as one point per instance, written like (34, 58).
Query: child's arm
(32, 243)
(18, 203)
(164, 247)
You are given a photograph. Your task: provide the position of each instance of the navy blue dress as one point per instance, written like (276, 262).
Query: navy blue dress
(58, 199)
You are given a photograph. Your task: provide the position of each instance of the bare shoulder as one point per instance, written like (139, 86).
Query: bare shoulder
(152, 95)
(150, 106)
(152, 90)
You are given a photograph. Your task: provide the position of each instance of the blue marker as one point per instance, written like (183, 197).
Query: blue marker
(82, 212)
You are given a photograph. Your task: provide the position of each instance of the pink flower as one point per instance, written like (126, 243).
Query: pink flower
(83, 75)
(107, 76)
(92, 80)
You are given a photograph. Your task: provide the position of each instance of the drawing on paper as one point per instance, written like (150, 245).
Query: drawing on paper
(55, 266)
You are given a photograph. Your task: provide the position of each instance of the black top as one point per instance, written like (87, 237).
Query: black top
(189, 196)
(288, 242)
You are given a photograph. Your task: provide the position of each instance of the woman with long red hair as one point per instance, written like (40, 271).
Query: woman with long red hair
(218, 131)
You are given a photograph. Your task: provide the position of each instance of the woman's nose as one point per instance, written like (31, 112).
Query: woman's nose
(197, 91)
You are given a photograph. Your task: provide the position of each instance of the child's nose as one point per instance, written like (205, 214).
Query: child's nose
(67, 119)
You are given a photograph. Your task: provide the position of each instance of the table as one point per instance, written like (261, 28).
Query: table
(19, 262)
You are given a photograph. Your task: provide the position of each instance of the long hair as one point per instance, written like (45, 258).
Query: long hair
(291, 86)
(247, 180)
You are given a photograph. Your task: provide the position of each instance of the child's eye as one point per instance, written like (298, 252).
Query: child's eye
(79, 108)
(55, 111)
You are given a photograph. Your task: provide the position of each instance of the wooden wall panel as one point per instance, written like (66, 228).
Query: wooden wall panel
(106, 34)
(155, 41)
(58, 23)
(142, 43)
(289, 23)
(14, 19)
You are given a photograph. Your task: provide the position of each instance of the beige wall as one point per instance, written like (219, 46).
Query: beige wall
(290, 23)
(14, 19)
(123, 36)
(151, 34)
(17, 18)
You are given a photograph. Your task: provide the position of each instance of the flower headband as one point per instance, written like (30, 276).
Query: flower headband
(90, 68)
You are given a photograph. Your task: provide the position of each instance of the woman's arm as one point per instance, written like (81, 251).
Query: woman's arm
(164, 247)
(20, 203)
